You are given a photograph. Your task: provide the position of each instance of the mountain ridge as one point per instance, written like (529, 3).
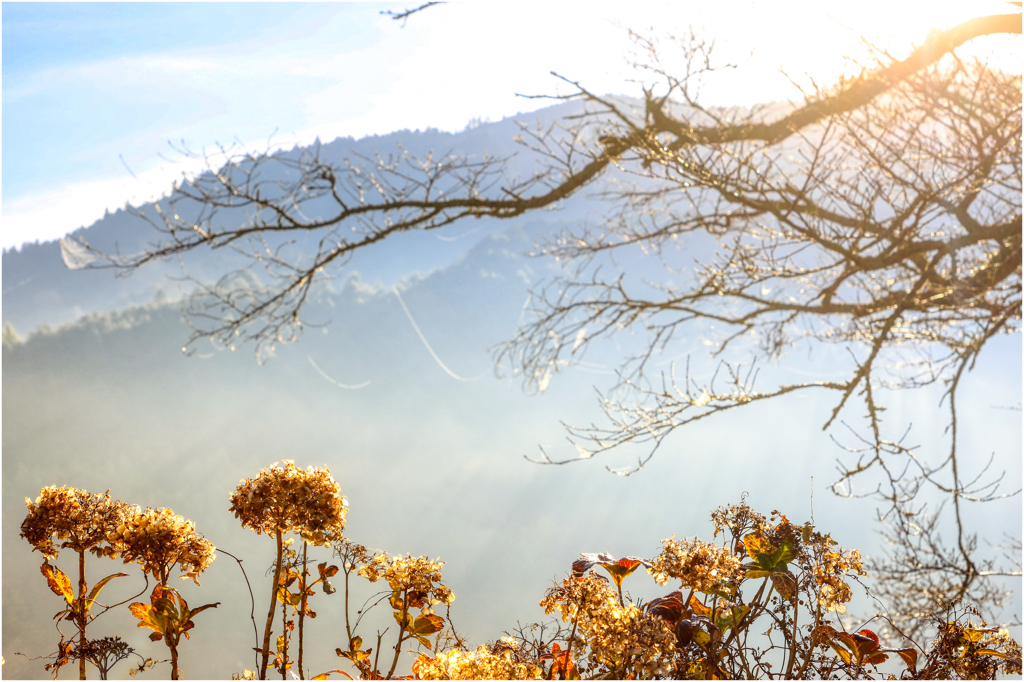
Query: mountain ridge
(39, 288)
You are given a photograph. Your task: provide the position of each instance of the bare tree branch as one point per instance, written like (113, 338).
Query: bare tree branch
(880, 216)
(404, 14)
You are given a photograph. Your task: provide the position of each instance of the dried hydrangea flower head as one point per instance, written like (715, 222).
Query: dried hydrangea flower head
(287, 499)
(159, 539)
(738, 520)
(698, 565)
(829, 567)
(78, 518)
(614, 633)
(504, 660)
(353, 555)
(417, 575)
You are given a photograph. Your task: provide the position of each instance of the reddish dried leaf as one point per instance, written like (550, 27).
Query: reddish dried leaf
(622, 568)
(669, 607)
(785, 583)
(869, 639)
(876, 658)
(684, 632)
(580, 567)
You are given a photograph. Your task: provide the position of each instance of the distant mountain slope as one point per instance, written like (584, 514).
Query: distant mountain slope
(39, 288)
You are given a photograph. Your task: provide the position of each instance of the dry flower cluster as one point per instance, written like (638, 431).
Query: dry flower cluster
(417, 575)
(834, 592)
(607, 635)
(738, 519)
(505, 660)
(624, 639)
(289, 500)
(157, 539)
(957, 638)
(699, 565)
(353, 555)
(77, 517)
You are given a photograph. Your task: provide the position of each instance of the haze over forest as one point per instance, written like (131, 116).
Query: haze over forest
(427, 442)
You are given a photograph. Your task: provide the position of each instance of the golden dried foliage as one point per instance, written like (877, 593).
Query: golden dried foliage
(972, 652)
(287, 499)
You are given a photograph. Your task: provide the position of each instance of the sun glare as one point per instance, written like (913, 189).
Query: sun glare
(899, 27)
(814, 42)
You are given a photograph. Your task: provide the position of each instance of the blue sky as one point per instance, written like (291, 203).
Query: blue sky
(86, 85)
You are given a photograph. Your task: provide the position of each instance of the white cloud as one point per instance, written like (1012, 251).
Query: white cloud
(450, 64)
(50, 214)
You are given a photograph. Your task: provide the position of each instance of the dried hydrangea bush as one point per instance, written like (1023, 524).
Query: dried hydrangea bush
(285, 499)
(80, 521)
(157, 540)
(765, 572)
(418, 576)
(697, 565)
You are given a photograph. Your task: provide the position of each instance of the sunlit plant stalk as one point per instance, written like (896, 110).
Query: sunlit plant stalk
(159, 540)
(282, 658)
(285, 499)
(80, 617)
(83, 521)
(268, 629)
(401, 633)
(302, 605)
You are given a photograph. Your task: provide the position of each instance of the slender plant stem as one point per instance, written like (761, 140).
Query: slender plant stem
(175, 673)
(252, 599)
(302, 606)
(810, 647)
(348, 626)
(270, 613)
(744, 620)
(792, 643)
(81, 613)
(284, 634)
(376, 659)
(401, 632)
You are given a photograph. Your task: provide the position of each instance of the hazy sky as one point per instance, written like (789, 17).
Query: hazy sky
(86, 85)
